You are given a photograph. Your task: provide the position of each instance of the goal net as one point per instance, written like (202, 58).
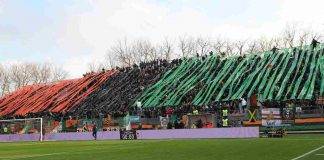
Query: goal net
(30, 129)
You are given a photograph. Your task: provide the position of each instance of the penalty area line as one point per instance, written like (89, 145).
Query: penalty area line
(308, 153)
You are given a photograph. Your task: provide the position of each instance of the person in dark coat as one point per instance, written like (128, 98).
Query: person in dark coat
(94, 132)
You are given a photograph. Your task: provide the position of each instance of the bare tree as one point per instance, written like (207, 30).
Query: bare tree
(316, 35)
(187, 46)
(240, 46)
(252, 47)
(40, 73)
(289, 35)
(4, 81)
(303, 37)
(183, 46)
(18, 75)
(229, 48)
(203, 45)
(264, 44)
(306, 36)
(123, 52)
(278, 42)
(58, 74)
(45, 73)
(111, 60)
(126, 54)
(219, 46)
(165, 49)
(96, 66)
(143, 51)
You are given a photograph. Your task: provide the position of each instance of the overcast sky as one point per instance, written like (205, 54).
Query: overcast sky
(72, 33)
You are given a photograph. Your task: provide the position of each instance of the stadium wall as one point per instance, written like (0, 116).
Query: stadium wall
(19, 137)
(239, 132)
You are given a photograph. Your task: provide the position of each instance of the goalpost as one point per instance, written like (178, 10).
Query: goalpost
(22, 129)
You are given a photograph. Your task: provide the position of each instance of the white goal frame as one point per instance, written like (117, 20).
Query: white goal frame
(26, 119)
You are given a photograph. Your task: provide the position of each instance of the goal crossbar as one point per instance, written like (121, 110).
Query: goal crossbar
(11, 120)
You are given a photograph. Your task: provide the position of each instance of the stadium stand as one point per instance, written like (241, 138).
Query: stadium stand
(119, 91)
(186, 91)
(287, 75)
(58, 97)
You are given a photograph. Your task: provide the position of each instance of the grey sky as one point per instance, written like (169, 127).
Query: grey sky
(74, 33)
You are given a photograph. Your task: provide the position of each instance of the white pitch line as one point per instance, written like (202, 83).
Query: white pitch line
(61, 153)
(30, 156)
(308, 153)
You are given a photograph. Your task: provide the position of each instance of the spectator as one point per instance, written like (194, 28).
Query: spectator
(94, 132)
(242, 105)
(195, 112)
(85, 127)
(5, 130)
(225, 122)
(199, 123)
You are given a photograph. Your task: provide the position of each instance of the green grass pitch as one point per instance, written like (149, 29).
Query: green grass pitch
(197, 149)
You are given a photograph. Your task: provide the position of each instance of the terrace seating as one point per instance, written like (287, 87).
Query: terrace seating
(118, 93)
(289, 74)
(205, 83)
(58, 97)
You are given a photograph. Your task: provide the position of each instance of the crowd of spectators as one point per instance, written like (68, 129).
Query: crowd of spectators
(118, 93)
